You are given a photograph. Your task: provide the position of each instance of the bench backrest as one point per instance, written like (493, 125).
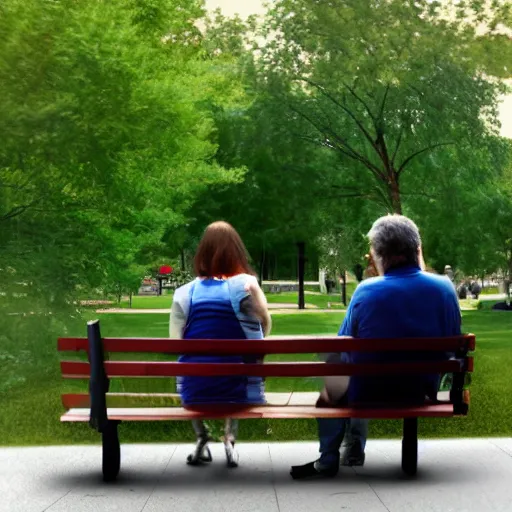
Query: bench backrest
(99, 370)
(95, 346)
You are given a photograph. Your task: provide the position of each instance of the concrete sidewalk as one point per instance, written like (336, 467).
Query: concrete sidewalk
(454, 475)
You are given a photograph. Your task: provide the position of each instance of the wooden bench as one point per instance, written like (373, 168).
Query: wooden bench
(95, 407)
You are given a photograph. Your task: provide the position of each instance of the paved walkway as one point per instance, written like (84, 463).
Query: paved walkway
(455, 475)
(274, 309)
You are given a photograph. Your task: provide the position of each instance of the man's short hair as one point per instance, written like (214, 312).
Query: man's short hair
(395, 240)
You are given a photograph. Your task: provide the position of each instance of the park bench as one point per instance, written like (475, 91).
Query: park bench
(93, 407)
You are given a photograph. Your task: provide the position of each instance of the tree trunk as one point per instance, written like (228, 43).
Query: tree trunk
(344, 287)
(131, 296)
(301, 268)
(262, 263)
(508, 281)
(182, 259)
(394, 193)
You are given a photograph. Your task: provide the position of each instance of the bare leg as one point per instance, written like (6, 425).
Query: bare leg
(201, 454)
(200, 428)
(230, 435)
(231, 429)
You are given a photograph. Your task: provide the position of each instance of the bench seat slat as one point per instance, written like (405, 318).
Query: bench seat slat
(82, 400)
(262, 412)
(271, 346)
(81, 370)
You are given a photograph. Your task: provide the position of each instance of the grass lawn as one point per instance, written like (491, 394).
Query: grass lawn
(320, 300)
(146, 302)
(31, 406)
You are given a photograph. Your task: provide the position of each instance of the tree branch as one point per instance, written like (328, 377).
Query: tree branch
(421, 194)
(342, 145)
(345, 109)
(424, 150)
(383, 104)
(397, 147)
(18, 210)
(358, 98)
(351, 195)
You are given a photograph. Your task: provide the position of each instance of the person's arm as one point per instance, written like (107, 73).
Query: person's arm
(179, 311)
(454, 317)
(177, 321)
(257, 303)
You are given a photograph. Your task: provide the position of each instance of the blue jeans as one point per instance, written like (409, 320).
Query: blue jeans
(331, 432)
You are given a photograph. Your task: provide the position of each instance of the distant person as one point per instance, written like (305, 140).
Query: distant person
(475, 289)
(448, 272)
(403, 302)
(223, 302)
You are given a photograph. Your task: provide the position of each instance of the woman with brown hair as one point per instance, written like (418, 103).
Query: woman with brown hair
(223, 302)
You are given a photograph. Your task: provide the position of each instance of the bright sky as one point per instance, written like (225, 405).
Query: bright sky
(246, 7)
(506, 115)
(231, 7)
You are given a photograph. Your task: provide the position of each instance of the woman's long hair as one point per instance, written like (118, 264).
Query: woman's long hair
(221, 252)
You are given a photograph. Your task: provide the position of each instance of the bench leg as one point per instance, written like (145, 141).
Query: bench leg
(410, 446)
(111, 452)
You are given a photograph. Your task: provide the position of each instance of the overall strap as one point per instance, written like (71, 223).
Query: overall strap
(237, 293)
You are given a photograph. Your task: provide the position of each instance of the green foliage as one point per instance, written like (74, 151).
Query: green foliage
(383, 84)
(106, 139)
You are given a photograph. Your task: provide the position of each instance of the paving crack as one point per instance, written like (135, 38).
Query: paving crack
(158, 479)
(273, 479)
(378, 497)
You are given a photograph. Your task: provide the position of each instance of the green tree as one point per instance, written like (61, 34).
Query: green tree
(384, 84)
(106, 138)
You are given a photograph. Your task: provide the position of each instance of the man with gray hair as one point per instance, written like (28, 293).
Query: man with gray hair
(403, 302)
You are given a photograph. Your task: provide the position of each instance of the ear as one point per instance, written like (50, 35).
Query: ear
(375, 266)
(421, 260)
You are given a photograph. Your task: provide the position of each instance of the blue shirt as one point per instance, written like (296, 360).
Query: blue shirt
(405, 302)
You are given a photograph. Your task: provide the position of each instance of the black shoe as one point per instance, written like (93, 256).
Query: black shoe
(354, 455)
(312, 470)
(201, 454)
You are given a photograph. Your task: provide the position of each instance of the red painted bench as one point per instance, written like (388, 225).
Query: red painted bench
(92, 407)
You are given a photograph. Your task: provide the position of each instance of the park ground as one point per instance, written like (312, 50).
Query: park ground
(31, 407)
(454, 475)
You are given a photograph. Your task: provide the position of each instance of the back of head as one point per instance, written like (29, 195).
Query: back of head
(221, 252)
(395, 242)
